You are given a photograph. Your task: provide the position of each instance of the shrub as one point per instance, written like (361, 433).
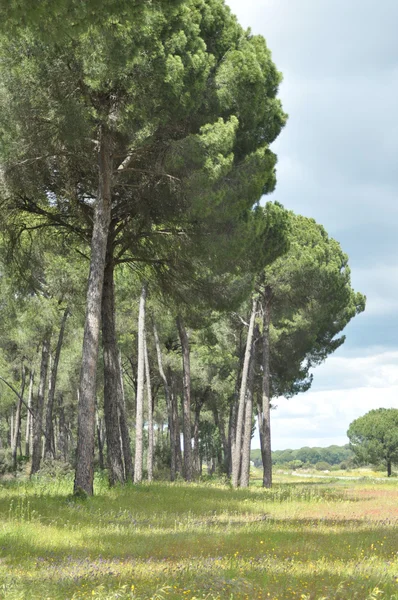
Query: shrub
(322, 466)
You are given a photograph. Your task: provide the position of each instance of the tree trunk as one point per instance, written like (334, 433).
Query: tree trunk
(176, 444)
(124, 431)
(49, 432)
(17, 427)
(233, 412)
(265, 407)
(100, 440)
(84, 476)
(168, 404)
(247, 436)
(150, 414)
(236, 457)
(63, 432)
(389, 468)
(38, 406)
(219, 423)
(186, 399)
(196, 458)
(111, 373)
(139, 420)
(28, 432)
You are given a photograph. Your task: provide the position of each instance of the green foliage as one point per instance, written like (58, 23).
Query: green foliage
(374, 437)
(309, 291)
(333, 455)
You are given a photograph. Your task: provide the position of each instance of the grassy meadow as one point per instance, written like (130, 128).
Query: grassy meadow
(304, 539)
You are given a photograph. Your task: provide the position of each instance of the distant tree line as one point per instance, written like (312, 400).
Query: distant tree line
(294, 459)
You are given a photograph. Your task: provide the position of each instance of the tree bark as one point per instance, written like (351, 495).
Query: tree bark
(389, 468)
(236, 457)
(124, 431)
(84, 475)
(111, 373)
(28, 432)
(49, 432)
(266, 399)
(38, 406)
(168, 403)
(186, 399)
(17, 427)
(150, 414)
(139, 420)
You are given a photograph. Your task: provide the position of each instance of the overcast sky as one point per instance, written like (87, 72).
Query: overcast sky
(338, 163)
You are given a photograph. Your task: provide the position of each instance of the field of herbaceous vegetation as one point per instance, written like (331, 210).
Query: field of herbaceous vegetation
(328, 539)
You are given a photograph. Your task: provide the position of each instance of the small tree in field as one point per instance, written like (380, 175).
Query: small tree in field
(374, 437)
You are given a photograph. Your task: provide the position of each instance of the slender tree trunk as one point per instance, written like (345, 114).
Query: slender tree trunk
(49, 433)
(186, 399)
(245, 468)
(84, 476)
(38, 407)
(150, 414)
(266, 399)
(28, 432)
(236, 457)
(100, 440)
(233, 413)
(139, 420)
(176, 446)
(11, 434)
(17, 428)
(124, 431)
(111, 373)
(63, 432)
(389, 468)
(219, 423)
(168, 404)
(196, 458)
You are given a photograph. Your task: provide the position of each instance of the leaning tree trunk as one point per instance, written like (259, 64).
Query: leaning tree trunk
(236, 455)
(186, 399)
(139, 419)
(17, 427)
(247, 436)
(168, 404)
(38, 406)
(150, 414)
(49, 433)
(265, 428)
(84, 475)
(111, 373)
(124, 430)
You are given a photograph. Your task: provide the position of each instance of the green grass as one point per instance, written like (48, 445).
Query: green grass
(301, 540)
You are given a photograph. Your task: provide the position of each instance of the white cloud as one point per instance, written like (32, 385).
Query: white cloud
(345, 388)
(328, 415)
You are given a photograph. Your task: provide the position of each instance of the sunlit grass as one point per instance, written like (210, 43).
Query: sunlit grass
(306, 540)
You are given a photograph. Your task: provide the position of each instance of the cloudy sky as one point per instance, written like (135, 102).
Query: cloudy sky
(338, 163)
